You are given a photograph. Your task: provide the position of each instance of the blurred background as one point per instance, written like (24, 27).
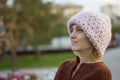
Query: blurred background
(34, 40)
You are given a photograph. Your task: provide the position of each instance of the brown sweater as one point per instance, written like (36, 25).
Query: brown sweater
(87, 71)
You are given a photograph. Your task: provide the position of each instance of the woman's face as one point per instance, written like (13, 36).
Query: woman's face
(79, 41)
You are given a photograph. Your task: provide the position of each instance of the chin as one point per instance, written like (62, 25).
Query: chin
(76, 53)
(75, 49)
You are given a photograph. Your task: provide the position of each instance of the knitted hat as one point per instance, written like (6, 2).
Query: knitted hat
(96, 26)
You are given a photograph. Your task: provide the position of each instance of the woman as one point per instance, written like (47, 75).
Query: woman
(90, 33)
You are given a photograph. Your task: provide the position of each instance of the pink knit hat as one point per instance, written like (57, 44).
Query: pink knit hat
(96, 26)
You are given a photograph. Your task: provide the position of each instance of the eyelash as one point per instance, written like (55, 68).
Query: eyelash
(79, 30)
(71, 30)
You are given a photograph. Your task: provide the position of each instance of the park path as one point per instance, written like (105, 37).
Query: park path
(111, 58)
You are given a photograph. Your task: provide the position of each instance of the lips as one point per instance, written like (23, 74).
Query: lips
(73, 42)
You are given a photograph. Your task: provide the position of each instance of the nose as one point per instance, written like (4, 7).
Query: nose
(73, 35)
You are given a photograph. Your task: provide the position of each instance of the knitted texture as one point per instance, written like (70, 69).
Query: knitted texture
(96, 26)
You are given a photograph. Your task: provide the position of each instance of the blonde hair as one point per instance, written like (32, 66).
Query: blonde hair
(96, 55)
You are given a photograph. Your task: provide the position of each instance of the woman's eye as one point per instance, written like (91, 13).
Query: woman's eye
(71, 30)
(79, 30)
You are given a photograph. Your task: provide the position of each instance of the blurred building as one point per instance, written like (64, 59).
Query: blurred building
(67, 10)
(113, 11)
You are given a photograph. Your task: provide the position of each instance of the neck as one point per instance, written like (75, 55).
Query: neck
(86, 56)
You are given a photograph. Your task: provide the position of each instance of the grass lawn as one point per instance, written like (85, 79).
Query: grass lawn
(31, 61)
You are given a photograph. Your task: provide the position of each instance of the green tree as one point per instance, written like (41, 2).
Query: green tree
(35, 21)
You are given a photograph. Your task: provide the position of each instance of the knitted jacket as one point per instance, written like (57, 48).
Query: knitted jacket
(87, 71)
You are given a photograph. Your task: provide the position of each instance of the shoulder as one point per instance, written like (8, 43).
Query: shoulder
(64, 69)
(67, 63)
(102, 68)
(100, 72)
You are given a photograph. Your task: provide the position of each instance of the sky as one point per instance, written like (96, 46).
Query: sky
(88, 4)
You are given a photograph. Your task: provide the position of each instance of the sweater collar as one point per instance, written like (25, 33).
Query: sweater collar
(77, 59)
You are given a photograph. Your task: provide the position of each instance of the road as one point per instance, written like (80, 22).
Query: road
(111, 58)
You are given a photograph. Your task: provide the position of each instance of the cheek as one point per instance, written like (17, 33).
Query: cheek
(87, 42)
(83, 40)
(80, 37)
